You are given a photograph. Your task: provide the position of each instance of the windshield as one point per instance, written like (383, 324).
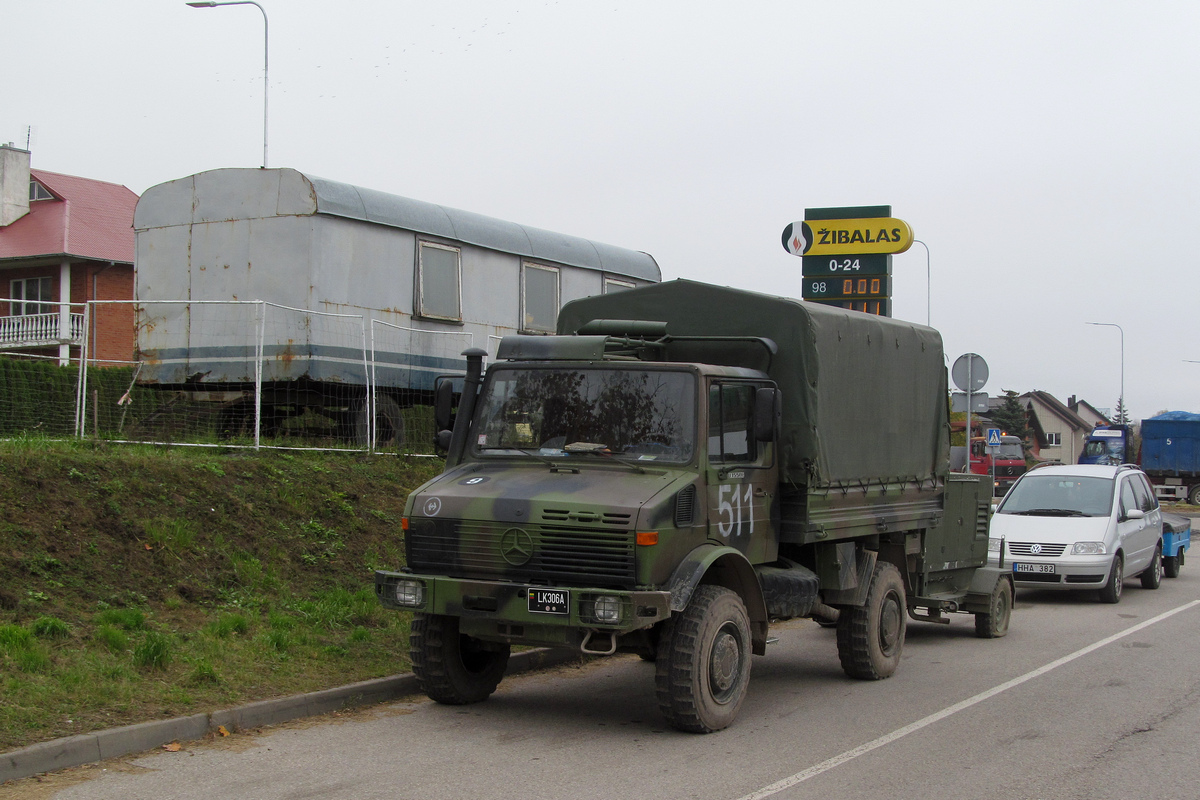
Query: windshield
(1114, 449)
(1010, 452)
(646, 415)
(1059, 495)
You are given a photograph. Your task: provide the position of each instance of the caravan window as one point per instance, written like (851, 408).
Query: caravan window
(439, 281)
(539, 298)
(614, 285)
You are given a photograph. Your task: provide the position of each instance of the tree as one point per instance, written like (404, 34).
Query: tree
(1012, 418)
(1122, 415)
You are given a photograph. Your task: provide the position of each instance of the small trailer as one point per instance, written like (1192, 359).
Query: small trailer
(1177, 538)
(362, 288)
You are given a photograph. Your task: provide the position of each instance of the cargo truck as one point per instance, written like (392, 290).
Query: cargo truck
(679, 467)
(1170, 455)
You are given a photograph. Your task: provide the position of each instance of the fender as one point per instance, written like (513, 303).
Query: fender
(722, 566)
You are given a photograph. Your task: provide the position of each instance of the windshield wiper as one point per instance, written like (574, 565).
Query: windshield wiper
(602, 450)
(530, 453)
(1052, 512)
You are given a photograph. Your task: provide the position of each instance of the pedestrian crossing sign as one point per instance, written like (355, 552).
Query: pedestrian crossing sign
(993, 437)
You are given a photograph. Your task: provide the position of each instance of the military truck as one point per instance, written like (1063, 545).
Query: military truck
(680, 466)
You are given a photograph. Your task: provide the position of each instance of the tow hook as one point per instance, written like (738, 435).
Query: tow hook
(612, 644)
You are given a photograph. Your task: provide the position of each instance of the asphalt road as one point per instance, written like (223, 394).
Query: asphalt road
(1080, 700)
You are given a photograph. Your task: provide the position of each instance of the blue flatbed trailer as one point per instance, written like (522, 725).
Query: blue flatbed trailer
(1177, 538)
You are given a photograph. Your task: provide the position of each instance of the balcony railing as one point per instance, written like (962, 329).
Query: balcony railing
(38, 330)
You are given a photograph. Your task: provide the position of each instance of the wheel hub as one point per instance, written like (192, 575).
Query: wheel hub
(725, 663)
(889, 624)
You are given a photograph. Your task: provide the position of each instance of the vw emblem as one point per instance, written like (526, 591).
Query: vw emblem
(516, 546)
(1035, 549)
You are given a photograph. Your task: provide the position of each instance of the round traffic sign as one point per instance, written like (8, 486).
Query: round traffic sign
(969, 368)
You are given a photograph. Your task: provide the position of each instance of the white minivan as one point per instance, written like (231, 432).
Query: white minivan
(1079, 527)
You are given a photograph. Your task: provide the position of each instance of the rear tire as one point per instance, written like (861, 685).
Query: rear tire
(703, 665)
(453, 668)
(1194, 495)
(1170, 566)
(389, 422)
(1111, 591)
(871, 638)
(994, 623)
(1152, 575)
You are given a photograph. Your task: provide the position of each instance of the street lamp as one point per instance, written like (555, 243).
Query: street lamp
(214, 4)
(918, 241)
(1122, 330)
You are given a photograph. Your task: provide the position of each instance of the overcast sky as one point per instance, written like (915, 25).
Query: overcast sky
(1045, 151)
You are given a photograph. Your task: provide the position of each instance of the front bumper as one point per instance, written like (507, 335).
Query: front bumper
(1070, 572)
(499, 611)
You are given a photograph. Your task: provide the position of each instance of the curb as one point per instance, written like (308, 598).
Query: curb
(88, 748)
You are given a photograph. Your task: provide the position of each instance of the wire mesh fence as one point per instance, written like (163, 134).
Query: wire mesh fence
(234, 374)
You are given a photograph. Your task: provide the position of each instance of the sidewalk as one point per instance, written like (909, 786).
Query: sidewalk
(75, 751)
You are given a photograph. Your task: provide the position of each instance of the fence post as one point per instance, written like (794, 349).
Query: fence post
(81, 382)
(258, 373)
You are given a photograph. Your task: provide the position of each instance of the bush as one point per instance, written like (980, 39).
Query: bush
(227, 625)
(128, 618)
(50, 628)
(112, 638)
(14, 638)
(153, 652)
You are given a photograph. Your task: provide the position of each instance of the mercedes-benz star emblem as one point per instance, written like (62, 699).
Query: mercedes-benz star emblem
(516, 546)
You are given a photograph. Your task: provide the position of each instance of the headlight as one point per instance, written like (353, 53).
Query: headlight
(410, 593)
(994, 545)
(1088, 549)
(607, 609)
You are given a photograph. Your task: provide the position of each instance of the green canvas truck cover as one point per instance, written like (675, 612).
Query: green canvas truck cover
(864, 396)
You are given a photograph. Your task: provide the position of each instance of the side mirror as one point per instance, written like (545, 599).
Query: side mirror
(443, 400)
(1135, 513)
(767, 412)
(442, 440)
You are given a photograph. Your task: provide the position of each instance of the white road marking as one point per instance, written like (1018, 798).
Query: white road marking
(838, 760)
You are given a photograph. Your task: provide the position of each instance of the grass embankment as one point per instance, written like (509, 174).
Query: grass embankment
(140, 583)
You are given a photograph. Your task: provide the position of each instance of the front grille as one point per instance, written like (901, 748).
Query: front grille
(567, 554)
(1026, 549)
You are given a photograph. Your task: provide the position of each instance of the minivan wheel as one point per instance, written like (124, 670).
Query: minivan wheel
(1152, 575)
(1111, 591)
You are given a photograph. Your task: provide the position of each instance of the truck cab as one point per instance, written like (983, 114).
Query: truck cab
(1107, 444)
(1004, 464)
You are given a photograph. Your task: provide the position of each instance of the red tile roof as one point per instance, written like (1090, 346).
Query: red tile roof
(87, 219)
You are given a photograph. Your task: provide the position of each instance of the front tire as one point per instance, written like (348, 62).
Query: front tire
(1111, 591)
(994, 623)
(451, 667)
(703, 665)
(1152, 575)
(871, 638)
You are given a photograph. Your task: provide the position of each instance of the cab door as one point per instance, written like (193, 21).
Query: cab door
(742, 470)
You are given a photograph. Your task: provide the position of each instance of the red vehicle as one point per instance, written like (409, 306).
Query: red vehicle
(1005, 463)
